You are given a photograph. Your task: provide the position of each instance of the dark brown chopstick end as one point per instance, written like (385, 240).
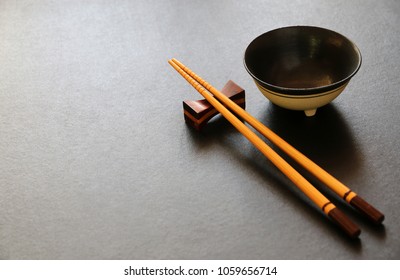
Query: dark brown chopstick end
(367, 209)
(344, 223)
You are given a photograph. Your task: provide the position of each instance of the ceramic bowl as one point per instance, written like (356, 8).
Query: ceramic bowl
(302, 67)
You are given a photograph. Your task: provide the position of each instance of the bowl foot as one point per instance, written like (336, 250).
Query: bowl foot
(310, 113)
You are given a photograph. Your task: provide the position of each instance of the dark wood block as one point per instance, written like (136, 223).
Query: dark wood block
(197, 113)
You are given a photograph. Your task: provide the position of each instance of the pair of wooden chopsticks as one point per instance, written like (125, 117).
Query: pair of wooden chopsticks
(217, 99)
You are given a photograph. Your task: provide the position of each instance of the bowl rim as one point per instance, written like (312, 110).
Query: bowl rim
(311, 90)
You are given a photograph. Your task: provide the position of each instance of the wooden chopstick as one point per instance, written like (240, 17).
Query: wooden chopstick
(306, 187)
(339, 188)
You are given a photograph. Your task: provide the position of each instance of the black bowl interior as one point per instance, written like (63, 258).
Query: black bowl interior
(302, 59)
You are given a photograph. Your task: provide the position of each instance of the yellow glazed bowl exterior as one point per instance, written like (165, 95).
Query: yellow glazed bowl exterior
(307, 103)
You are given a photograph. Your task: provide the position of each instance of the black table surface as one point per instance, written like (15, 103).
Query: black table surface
(98, 163)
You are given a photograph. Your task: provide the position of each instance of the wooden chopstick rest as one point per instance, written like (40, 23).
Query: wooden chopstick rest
(197, 113)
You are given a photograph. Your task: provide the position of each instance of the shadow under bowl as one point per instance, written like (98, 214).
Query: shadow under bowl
(302, 67)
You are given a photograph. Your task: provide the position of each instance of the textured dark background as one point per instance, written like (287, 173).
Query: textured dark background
(96, 161)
